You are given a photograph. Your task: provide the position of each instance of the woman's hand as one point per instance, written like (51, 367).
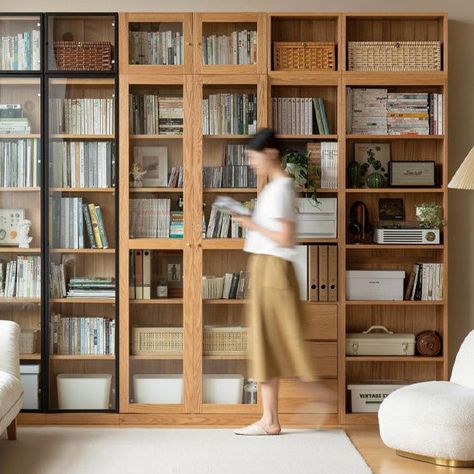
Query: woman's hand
(244, 221)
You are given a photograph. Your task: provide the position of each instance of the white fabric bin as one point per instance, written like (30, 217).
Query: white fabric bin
(222, 388)
(158, 388)
(318, 220)
(29, 375)
(84, 391)
(375, 285)
(367, 397)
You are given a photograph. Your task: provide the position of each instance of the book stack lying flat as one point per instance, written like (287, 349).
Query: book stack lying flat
(367, 111)
(82, 335)
(222, 226)
(12, 120)
(176, 177)
(323, 156)
(150, 218)
(22, 277)
(226, 113)
(71, 219)
(82, 165)
(408, 113)
(20, 52)
(91, 287)
(299, 116)
(231, 286)
(425, 282)
(156, 47)
(176, 225)
(238, 48)
(19, 163)
(85, 116)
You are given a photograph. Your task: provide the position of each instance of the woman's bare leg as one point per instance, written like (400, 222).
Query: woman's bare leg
(269, 420)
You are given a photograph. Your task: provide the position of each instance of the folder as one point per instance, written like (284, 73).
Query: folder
(332, 273)
(313, 269)
(146, 274)
(323, 273)
(138, 274)
(301, 270)
(131, 282)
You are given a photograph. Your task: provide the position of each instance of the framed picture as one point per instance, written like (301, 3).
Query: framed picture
(171, 270)
(412, 173)
(152, 164)
(373, 158)
(391, 209)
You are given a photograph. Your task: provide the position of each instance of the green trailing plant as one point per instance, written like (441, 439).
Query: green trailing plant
(430, 215)
(376, 165)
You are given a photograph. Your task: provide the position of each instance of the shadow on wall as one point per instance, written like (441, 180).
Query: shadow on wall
(461, 203)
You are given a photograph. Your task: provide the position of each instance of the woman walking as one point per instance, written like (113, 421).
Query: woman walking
(274, 311)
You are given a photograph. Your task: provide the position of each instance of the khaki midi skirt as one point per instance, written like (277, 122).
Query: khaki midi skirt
(274, 318)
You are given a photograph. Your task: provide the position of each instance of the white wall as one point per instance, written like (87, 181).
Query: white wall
(461, 106)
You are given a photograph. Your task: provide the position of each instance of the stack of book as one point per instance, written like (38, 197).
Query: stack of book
(20, 52)
(154, 115)
(222, 226)
(231, 286)
(57, 280)
(238, 48)
(156, 47)
(366, 111)
(12, 120)
(150, 218)
(82, 116)
(425, 282)
(323, 156)
(82, 164)
(229, 113)
(19, 163)
(176, 177)
(22, 277)
(408, 113)
(176, 225)
(71, 219)
(91, 287)
(79, 335)
(299, 116)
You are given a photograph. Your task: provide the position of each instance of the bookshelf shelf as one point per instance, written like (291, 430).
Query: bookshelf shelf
(394, 303)
(228, 244)
(307, 137)
(80, 136)
(161, 301)
(394, 359)
(226, 137)
(19, 135)
(394, 247)
(110, 301)
(224, 301)
(18, 250)
(83, 251)
(157, 357)
(156, 190)
(20, 190)
(393, 137)
(28, 357)
(230, 190)
(409, 78)
(19, 300)
(82, 190)
(156, 137)
(393, 190)
(157, 244)
(59, 357)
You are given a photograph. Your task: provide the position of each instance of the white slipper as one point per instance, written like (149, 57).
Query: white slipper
(253, 430)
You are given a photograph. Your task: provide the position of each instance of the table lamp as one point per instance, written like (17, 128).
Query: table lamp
(464, 176)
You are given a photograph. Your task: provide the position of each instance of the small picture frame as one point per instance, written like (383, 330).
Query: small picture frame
(153, 162)
(408, 174)
(171, 271)
(391, 209)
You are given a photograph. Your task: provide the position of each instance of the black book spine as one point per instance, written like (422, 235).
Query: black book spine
(233, 286)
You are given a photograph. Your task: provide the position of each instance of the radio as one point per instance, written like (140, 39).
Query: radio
(407, 236)
(9, 225)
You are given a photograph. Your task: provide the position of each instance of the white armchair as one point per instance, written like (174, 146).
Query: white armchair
(434, 421)
(11, 390)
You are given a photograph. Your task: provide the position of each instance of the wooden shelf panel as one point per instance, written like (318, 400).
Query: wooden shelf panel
(82, 190)
(110, 301)
(157, 357)
(78, 81)
(230, 190)
(156, 190)
(20, 190)
(19, 135)
(156, 137)
(315, 240)
(35, 356)
(394, 190)
(393, 78)
(84, 251)
(19, 250)
(394, 303)
(19, 300)
(223, 244)
(78, 136)
(82, 357)
(156, 244)
(393, 359)
(224, 301)
(394, 246)
(226, 137)
(393, 137)
(157, 301)
(306, 137)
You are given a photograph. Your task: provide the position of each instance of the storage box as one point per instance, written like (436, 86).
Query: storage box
(366, 397)
(158, 388)
(375, 284)
(316, 219)
(222, 388)
(29, 375)
(384, 344)
(83, 391)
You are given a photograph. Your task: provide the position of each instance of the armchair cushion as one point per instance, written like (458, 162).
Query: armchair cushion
(11, 398)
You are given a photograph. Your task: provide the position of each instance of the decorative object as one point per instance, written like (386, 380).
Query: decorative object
(172, 273)
(308, 55)
(391, 209)
(10, 220)
(250, 392)
(373, 159)
(360, 229)
(162, 289)
(137, 173)
(153, 163)
(406, 236)
(434, 421)
(428, 343)
(412, 174)
(354, 174)
(464, 176)
(24, 238)
(430, 215)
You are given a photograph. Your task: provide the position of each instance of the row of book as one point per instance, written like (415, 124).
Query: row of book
(21, 278)
(19, 163)
(152, 114)
(150, 218)
(82, 335)
(240, 47)
(299, 116)
(20, 52)
(71, 219)
(82, 164)
(379, 112)
(176, 177)
(322, 163)
(425, 282)
(233, 285)
(156, 47)
(82, 116)
(229, 113)
(235, 154)
(232, 176)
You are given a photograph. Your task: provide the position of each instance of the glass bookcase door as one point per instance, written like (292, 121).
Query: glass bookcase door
(20, 216)
(82, 243)
(20, 37)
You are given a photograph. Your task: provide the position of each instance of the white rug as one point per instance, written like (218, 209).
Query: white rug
(51, 450)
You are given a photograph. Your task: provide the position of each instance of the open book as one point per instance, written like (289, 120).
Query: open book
(231, 205)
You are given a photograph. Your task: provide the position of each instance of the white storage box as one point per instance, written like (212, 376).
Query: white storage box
(316, 219)
(386, 343)
(29, 375)
(367, 397)
(158, 388)
(375, 284)
(222, 388)
(84, 391)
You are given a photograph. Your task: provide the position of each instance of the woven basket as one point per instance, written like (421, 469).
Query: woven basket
(225, 340)
(394, 56)
(83, 56)
(310, 56)
(151, 341)
(29, 341)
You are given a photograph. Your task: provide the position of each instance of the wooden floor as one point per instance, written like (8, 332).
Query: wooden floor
(384, 461)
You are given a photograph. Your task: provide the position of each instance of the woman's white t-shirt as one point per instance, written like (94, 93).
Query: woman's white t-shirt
(276, 201)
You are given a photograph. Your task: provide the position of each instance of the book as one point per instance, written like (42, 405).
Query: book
(95, 226)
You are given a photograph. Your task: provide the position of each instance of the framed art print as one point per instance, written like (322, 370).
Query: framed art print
(153, 164)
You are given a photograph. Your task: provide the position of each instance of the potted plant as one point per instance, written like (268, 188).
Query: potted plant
(298, 166)
(430, 215)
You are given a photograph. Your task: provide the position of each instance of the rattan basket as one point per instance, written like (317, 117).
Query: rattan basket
(83, 56)
(225, 340)
(394, 56)
(152, 341)
(300, 56)
(29, 341)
